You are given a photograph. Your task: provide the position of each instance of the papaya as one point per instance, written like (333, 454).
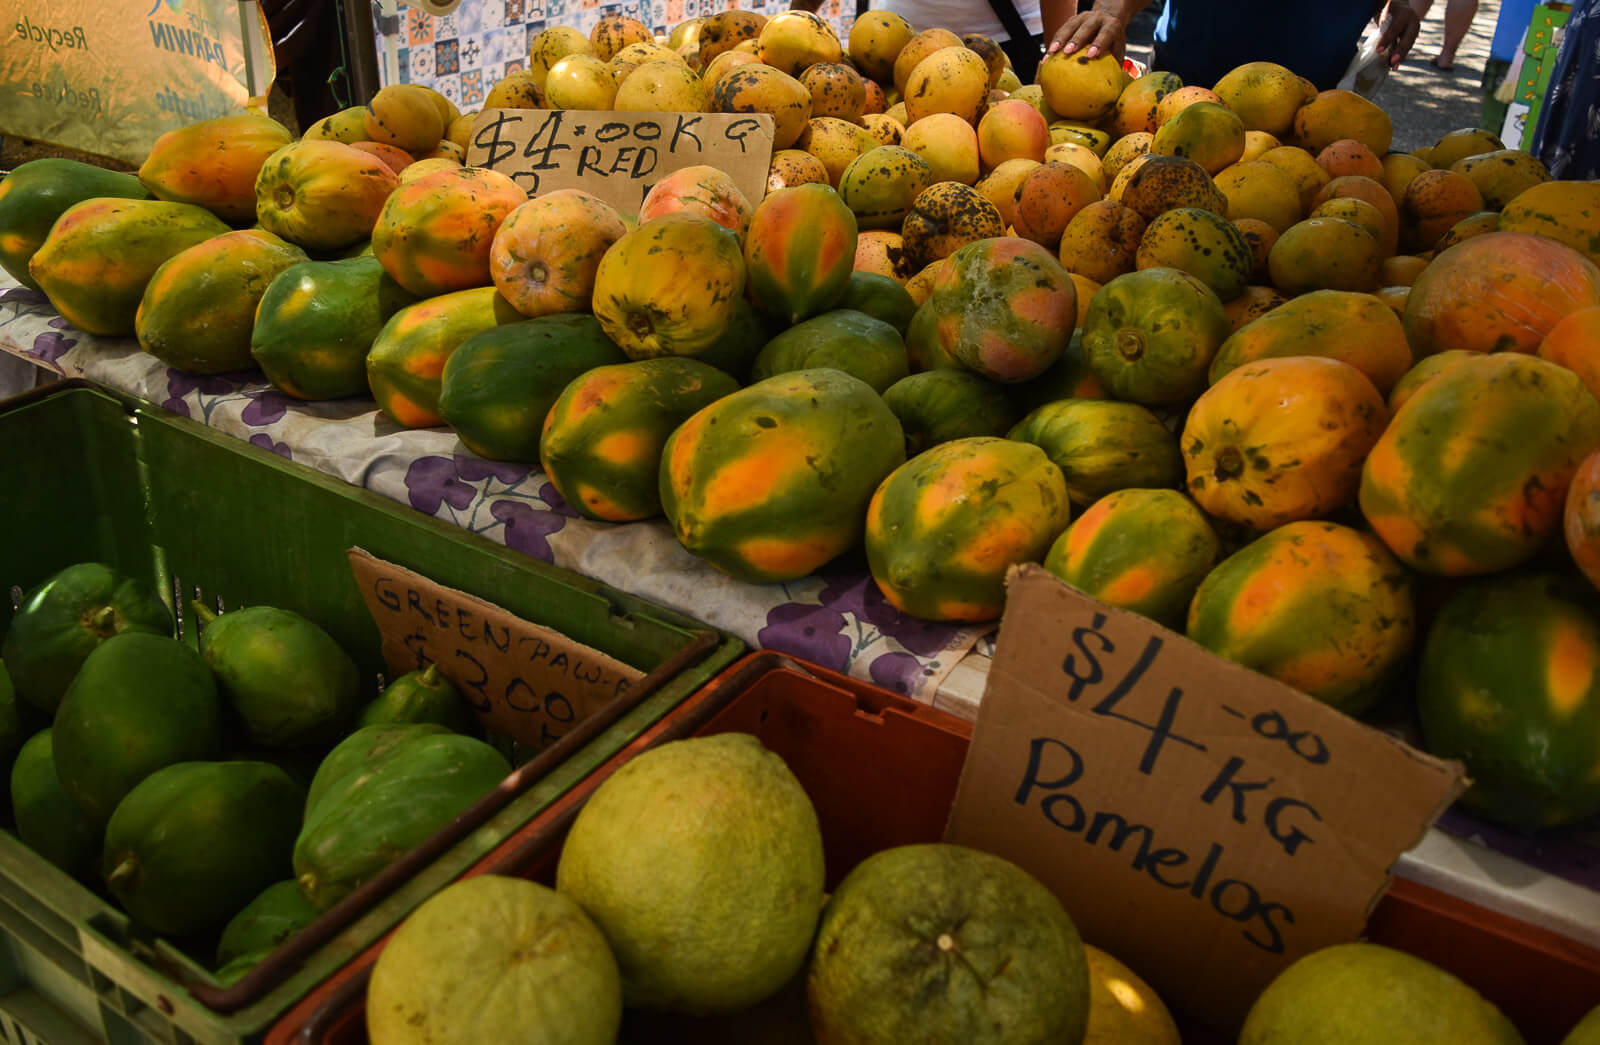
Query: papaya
(1581, 518)
(213, 163)
(140, 702)
(64, 619)
(1005, 308)
(1506, 684)
(604, 435)
(944, 527)
(670, 286)
(1353, 328)
(1470, 476)
(316, 322)
(1317, 606)
(194, 842)
(938, 406)
(421, 696)
(703, 190)
(48, 821)
(1145, 551)
(406, 362)
(735, 351)
(434, 234)
(799, 252)
(1102, 445)
(924, 349)
(853, 342)
(37, 192)
(286, 678)
(1150, 335)
(381, 791)
(770, 483)
(1068, 378)
(547, 251)
(500, 383)
(880, 297)
(198, 310)
(277, 913)
(100, 254)
(1427, 368)
(322, 195)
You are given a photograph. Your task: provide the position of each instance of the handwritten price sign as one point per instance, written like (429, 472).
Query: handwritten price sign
(619, 156)
(1202, 822)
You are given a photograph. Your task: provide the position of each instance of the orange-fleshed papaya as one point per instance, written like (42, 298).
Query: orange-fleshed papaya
(100, 254)
(322, 195)
(214, 163)
(800, 251)
(670, 287)
(772, 482)
(405, 367)
(433, 235)
(547, 251)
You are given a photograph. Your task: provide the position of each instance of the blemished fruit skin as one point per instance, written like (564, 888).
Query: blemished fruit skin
(799, 252)
(1150, 335)
(1006, 308)
(1507, 683)
(37, 192)
(1102, 445)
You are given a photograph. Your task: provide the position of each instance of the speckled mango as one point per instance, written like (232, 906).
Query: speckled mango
(94, 264)
(1317, 606)
(1568, 211)
(670, 286)
(1202, 243)
(881, 185)
(1006, 308)
(434, 234)
(213, 163)
(1150, 335)
(1140, 550)
(944, 527)
(1152, 184)
(199, 307)
(946, 216)
(406, 363)
(757, 88)
(1210, 134)
(799, 252)
(1102, 446)
(772, 482)
(1470, 476)
(1280, 440)
(1354, 328)
(603, 437)
(836, 90)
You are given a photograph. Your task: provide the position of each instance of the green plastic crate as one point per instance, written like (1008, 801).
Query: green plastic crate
(90, 476)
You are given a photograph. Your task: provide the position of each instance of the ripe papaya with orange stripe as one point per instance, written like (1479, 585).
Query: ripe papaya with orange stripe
(405, 366)
(772, 482)
(1006, 308)
(800, 251)
(1102, 445)
(498, 385)
(945, 526)
(213, 163)
(1472, 472)
(434, 234)
(670, 287)
(1509, 683)
(1317, 606)
(323, 195)
(604, 436)
(36, 193)
(1140, 550)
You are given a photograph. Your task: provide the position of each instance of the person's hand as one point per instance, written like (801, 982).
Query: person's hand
(1095, 32)
(1399, 32)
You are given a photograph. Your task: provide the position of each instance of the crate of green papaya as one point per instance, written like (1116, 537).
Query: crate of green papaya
(228, 772)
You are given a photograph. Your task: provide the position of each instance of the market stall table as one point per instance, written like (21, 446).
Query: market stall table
(837, 618)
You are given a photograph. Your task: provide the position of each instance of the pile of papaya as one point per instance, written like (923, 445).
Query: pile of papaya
(1214, 354)
(222, 793)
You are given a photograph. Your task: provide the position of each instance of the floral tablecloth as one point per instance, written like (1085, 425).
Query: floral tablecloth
(837, 618)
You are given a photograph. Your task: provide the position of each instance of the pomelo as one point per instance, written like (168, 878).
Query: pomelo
(701, 861)
(1354, 993)
(495, 959)
(940, 945)
(1123, 1010)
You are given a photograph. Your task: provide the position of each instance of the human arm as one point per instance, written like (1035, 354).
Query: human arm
(1400, 25)
(805, 5)
(1102, 30)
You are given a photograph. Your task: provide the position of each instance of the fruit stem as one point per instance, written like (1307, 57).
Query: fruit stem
(945, 942)
(430, 675)
(1230, 464)
(125, 873)
(203, 614)
(103, 621)
(1130, 344)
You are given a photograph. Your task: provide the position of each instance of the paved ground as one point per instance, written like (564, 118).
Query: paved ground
(1423, 102)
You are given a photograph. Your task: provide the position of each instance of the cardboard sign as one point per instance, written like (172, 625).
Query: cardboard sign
(1204, 823)
(619, 156)
(109, 79)
(523, 680)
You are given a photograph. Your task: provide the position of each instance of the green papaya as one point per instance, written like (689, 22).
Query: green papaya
(843, 339)
(277, 913)
(62, 620)
(47, 820)
(199, 307)
(500, 383)
(140, 702)
(937, 406)
(36, 193)
(421, 696)
(100, 254)
(881, 298)
(316, 322)
(381, 791)
(193, 842)
(284, 676)
(735, 351)
(924, 350)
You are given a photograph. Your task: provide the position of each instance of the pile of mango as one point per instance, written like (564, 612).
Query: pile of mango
(227, 792)
(965, 313)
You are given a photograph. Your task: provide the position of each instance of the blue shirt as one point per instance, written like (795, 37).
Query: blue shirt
(1200, 40)
(1510, 28)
